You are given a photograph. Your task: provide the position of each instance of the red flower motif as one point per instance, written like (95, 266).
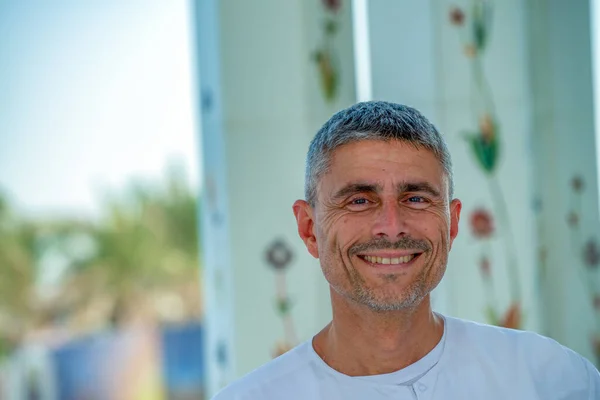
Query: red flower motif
(596, 345)
(484, 266)
(279, 255)
(487, 127)
(543, 254)
(281, 348)
(457, 16)
(577, 183)
(591, 254)
(332, 5)
(512, 318)
(482, 223)
(573, 219)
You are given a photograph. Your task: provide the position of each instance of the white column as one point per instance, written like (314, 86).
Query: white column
(218, 289)
(564, 139)
(262, 102)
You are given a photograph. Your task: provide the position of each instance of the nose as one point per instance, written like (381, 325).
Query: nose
(390, 221)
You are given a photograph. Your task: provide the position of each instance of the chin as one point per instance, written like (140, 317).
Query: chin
(387, 302)
(389, 306)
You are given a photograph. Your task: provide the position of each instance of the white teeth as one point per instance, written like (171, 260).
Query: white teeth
(386, 261)
(406, 259)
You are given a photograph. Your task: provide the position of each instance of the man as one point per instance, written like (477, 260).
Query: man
(380, 216)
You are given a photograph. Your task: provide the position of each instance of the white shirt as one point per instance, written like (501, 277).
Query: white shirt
(471, 361)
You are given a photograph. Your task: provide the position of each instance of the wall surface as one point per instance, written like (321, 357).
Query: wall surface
(439, 67)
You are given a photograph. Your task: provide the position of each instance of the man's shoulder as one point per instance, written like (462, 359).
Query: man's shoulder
(275, 374)
(505, 341)
(501, 338)
(543, 357)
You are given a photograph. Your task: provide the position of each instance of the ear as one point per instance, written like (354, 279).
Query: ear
(455, 208)
(305, 220)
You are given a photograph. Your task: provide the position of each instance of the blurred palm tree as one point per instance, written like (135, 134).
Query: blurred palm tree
(146, 245)
(140, 259)
(17, 276)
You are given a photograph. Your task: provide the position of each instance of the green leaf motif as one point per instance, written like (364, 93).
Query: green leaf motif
(317, 56)
(486, 150)
(284, 306)
(330, 27)
(328, 73)
(491, 315)
(480, 29)
(480, 34)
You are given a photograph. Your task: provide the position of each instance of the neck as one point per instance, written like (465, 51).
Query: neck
(360, 342)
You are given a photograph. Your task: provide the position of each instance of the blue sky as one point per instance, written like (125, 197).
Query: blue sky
(91, 94)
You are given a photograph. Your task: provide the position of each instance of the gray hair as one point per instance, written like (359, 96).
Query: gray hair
(372, 120)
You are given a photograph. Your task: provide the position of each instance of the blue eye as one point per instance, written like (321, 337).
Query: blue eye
(416, 199)
(360, 201)
(359, 204)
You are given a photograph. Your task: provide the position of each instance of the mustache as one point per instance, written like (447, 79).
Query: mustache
(404, 243)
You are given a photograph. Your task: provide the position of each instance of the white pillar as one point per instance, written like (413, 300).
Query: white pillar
(215, 238)
(564, 139)
(262, 102)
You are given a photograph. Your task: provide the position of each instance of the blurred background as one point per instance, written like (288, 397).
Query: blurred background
(150, 152)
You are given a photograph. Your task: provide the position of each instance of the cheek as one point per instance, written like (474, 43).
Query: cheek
(340, 234)
(336, 236)
(439, 221)
(335, 224)
(435, 226)
(350, 228)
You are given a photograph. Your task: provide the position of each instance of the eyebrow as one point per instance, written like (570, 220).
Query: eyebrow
(417, 187)
(361, 187)
(353, 188)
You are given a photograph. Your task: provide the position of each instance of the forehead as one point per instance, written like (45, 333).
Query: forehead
(380, 162)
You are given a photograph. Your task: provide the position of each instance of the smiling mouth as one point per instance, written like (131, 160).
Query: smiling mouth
(390, 260)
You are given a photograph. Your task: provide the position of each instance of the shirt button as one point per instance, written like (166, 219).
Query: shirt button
(422, 387)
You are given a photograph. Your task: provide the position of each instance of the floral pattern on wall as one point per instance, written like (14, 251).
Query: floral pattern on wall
(279, 256)
(586, 250)
(325, 57)
(483, 139)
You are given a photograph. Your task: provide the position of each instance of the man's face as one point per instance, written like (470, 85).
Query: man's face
(382, 225)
